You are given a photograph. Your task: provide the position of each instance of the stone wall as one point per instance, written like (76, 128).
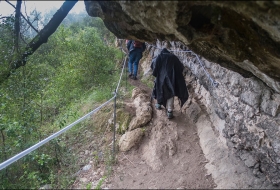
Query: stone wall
(243, 111)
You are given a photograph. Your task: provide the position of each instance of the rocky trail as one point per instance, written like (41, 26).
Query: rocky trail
(169, 156)
(181, 153)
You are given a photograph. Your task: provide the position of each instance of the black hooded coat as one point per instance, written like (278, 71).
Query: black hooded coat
(170, 81)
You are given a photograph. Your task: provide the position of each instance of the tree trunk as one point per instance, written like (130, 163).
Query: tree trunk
(30, 24)
(17, 26)
(40, 38)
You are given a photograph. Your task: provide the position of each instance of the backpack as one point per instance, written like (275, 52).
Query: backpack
(137, 44)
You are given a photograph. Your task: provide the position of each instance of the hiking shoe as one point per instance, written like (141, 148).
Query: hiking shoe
(170, 114)
(158, 106)
(130, 75)
(134, 77)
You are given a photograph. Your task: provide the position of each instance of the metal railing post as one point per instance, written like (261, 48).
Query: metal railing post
(126, 77)
(115, 107)
(114, 137)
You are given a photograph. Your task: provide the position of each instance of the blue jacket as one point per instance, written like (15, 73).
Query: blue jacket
(131, 47)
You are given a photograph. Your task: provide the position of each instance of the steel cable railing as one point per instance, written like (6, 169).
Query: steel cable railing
(41, 143)
(213, 82)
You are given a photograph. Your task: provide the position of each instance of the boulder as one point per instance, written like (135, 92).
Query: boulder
(130, 139)
(143, 116)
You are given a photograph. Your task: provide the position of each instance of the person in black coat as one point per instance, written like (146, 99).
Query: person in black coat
(169, 81)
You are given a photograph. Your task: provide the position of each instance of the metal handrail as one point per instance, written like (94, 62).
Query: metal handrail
(41, 143)
(213, 82)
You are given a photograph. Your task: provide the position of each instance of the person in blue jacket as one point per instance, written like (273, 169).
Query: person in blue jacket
(135, 49)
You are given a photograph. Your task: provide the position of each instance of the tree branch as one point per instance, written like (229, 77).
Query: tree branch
(3, 17)
(25, 8)
(24, 17)
(41, 37)
(35, 19)
(21, 37)
(17, 25)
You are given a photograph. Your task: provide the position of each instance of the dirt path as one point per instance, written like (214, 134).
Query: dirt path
(168, 157)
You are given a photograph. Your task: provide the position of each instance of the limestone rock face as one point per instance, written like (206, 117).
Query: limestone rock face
(241, 36)
(143, 115)
(130, 139)
(122, 120)
(245, 113)
(193, 111)
(143, 109)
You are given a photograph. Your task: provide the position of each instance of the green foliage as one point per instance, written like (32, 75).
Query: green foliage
(6, 41)
(149, 81)
(98, 186)
(42, 97)
(88, 186)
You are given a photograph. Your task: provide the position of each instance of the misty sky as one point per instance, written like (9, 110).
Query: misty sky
(42, 6)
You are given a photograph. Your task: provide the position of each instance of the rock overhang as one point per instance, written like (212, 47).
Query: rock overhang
(243, 36)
